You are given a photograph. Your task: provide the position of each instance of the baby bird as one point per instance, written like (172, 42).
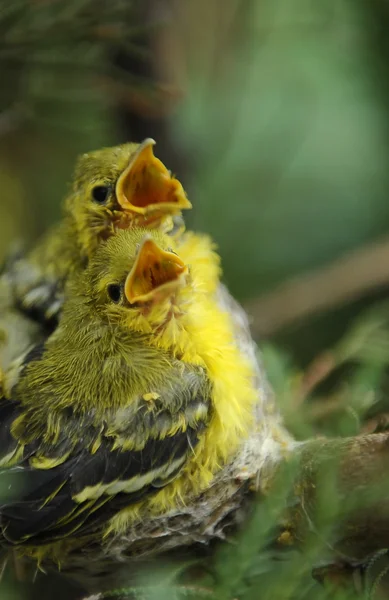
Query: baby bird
(128, 409)
(113, 188)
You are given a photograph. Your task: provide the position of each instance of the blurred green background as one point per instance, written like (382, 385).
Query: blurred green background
(274, 113)
(275, 116)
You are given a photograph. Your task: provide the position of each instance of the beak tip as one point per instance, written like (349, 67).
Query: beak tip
(146, 241)
(148, 142)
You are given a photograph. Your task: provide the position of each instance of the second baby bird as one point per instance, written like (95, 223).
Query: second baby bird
(113, 189)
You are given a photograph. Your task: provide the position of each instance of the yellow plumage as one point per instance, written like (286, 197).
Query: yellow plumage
(204, 336)
(199, 251)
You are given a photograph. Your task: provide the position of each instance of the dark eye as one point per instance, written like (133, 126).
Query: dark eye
(100, 193)
(114, 292)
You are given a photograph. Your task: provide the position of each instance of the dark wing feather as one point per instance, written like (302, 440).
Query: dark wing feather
(36, 296)
(44, 497)
(87, 488)
(9, 411)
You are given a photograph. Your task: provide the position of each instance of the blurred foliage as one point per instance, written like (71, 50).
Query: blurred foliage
(290, 138)
(284, 126)
(54, 100)
(275, 115)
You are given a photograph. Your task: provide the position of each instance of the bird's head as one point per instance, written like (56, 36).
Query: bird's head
(136, 279)
(121, 187)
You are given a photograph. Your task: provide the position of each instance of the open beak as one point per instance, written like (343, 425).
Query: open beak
(146, 186)
(156, 274)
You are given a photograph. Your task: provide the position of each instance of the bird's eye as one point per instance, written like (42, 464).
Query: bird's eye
(114, 292)
(100, 193)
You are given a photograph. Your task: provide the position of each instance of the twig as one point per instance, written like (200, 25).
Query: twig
(355, 469)
(348, 278)
(317, 371)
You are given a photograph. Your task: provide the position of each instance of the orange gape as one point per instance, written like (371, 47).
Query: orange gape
(147, 188)
(155, 271)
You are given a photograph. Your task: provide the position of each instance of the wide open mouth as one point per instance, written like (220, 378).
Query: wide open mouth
(146, 185)
(156, 273)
